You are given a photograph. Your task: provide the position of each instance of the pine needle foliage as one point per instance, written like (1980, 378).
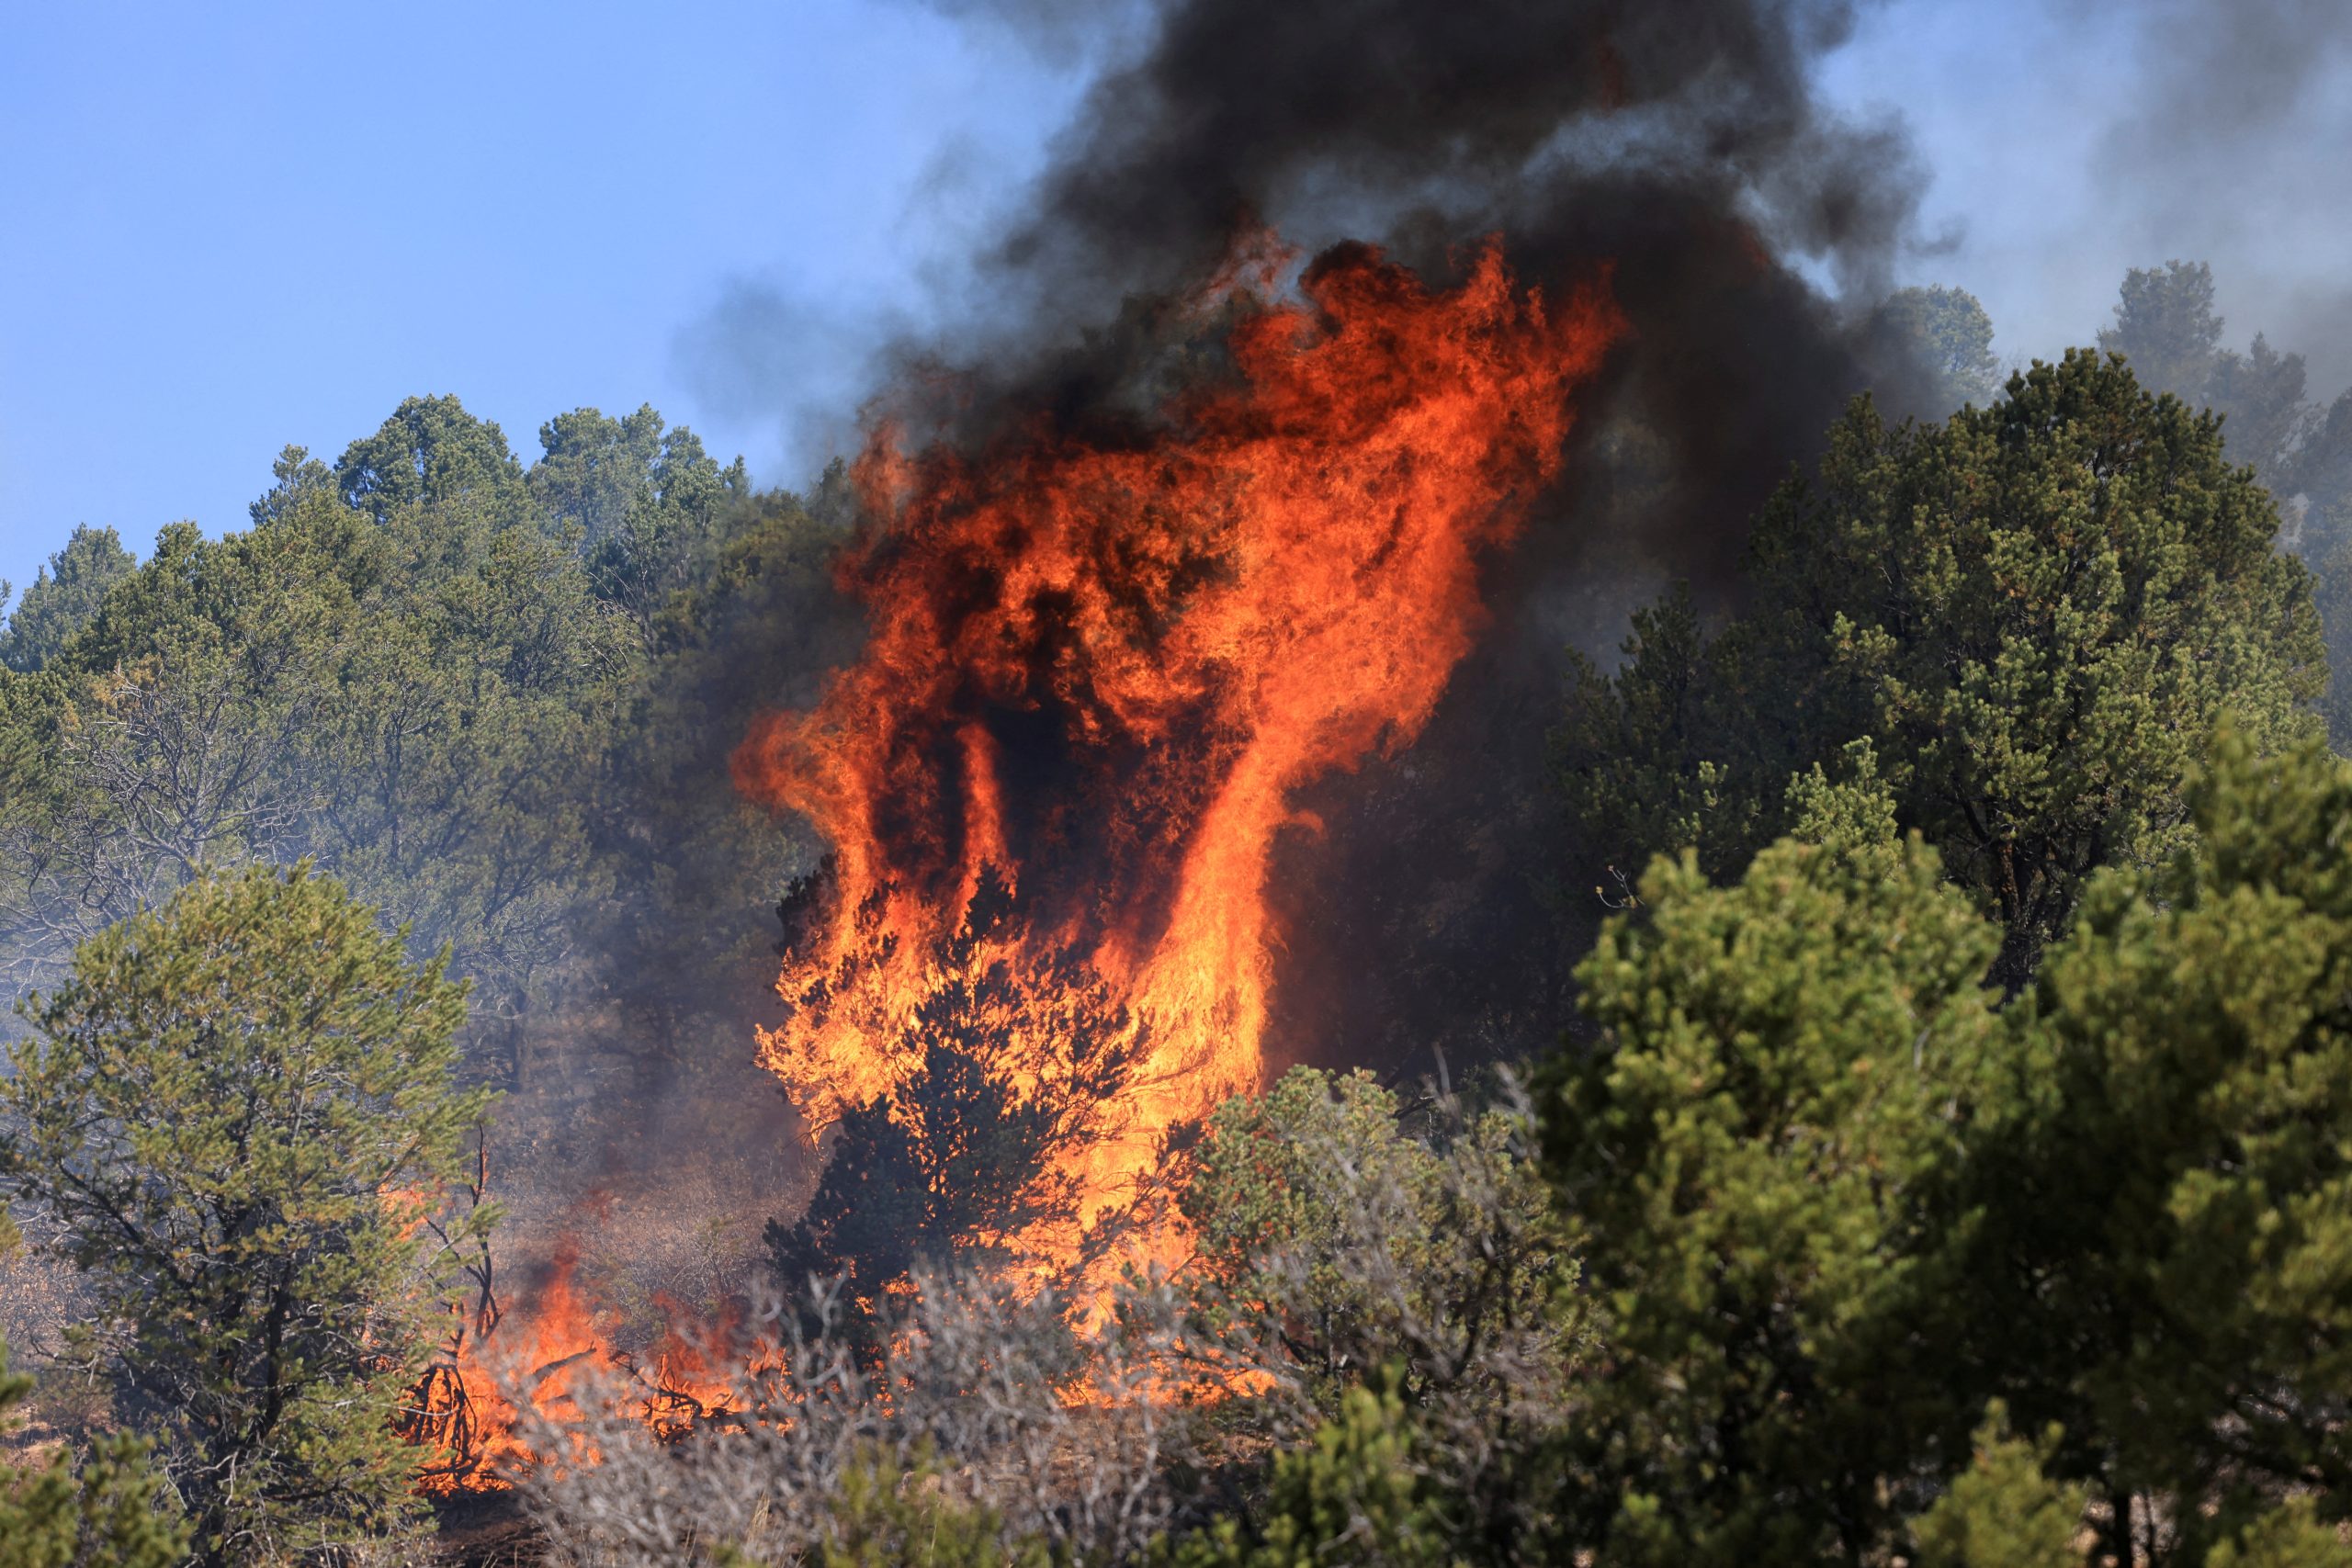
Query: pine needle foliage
(231, 1117)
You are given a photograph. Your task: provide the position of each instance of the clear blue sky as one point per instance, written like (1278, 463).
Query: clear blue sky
(233, 228)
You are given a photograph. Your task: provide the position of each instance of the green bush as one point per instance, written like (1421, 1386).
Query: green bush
(112, 1511)
(1355, 1494)
(234, 1113)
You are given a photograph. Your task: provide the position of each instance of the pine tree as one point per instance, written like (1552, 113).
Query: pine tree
(2161, 1261)
(1744, 1162)
(234, 1113)
(1838, 1196)
(2037, 612)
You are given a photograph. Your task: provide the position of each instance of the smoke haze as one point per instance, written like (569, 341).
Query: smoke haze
(2072, 140)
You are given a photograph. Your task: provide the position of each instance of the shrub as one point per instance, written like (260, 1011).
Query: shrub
(113, 1511)
(987, 1415)
(1434, 1257)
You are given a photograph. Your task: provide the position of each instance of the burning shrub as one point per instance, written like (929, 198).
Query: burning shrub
(1397, 1277)
(986, 1414)
(975, 1158)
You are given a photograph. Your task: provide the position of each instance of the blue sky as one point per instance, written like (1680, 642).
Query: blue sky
(233, 228)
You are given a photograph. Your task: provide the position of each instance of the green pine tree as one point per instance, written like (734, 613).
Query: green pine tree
(2002, 1511)
(1747, 1161)
(2161, 1174)
(234, 1110)
(1836, 1196)
(2037, 612)
(64, 597)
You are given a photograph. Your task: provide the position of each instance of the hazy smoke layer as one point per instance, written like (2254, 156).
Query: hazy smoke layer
(2228, 147)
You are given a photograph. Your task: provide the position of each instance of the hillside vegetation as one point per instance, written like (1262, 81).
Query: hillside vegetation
(1947, 1161)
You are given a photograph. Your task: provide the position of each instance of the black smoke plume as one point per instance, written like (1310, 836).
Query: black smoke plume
(1746, 232)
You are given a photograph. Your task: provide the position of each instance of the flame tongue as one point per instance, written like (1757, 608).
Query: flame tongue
(1098, 675)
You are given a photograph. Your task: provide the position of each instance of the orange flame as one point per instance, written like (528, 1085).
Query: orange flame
(463, 1419)
(1100, 673)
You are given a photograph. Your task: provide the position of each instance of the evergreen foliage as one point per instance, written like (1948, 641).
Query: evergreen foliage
(495, 703)
(1354, 1493)
(110, 1511)
(1835, 1197)
(431, 454)
(2165, 325)
(2002, 1512)
(2163, 1168)
(2290, 1535)
(2034, 611)
(64, 597)
(232, 1116)
(1748, 1165)
(1947, 330)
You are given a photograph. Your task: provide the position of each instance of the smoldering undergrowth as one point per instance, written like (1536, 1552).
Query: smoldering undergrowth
(1339, 1238)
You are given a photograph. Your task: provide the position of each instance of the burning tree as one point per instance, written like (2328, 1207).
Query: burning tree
(1011, 1074)
(1100, 672)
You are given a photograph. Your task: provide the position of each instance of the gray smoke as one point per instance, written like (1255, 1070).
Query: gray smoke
(1681, 147)
(2228, 147)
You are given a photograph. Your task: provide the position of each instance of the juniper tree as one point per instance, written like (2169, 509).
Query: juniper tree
(64, 597)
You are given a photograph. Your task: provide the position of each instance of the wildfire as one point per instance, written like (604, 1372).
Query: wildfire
(461, 1415)
(1099, 674)
(1097, 678)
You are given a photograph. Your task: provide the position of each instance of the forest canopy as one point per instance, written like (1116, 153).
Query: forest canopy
(1945, 1155)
